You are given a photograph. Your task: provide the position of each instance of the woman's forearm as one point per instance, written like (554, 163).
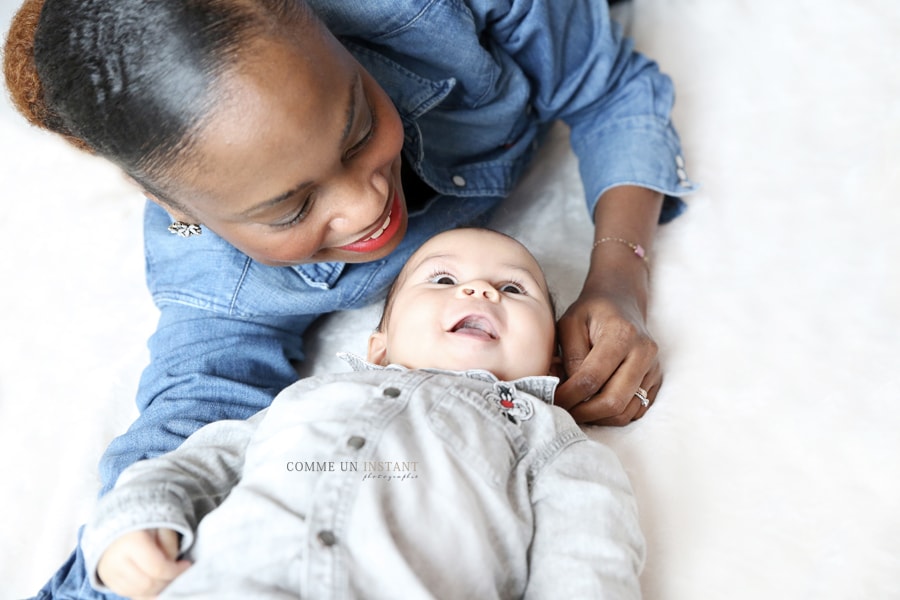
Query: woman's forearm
(626, 221)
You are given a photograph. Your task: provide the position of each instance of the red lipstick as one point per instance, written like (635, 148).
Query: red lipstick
(380, 237)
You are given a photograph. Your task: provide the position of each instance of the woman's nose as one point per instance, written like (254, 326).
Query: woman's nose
(362, 198)
(478, 289)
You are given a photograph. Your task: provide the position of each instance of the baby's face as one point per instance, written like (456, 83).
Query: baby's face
(470, 299)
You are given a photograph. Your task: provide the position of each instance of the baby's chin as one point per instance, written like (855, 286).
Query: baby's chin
(502, 372)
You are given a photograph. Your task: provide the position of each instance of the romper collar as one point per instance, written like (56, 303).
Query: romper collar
(541, 386)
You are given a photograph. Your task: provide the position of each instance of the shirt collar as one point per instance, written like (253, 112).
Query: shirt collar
(541, 386)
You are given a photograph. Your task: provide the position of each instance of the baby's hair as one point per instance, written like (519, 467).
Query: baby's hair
(389, 299)
(134, 80)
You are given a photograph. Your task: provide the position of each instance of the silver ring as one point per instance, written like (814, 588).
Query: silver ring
(642, 396)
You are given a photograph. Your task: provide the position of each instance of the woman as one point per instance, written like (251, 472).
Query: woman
(315, 145)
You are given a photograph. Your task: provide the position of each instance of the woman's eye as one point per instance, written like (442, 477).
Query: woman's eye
(361, 144)
(443, 279)
(512, 288)
(297, 216)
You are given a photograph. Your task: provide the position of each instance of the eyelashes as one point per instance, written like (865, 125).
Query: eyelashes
(361, 144)
(507, 287)
(513, 287)
(299, 215)
(358, 147)
(442, 277)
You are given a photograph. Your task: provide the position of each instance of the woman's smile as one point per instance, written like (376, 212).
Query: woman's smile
(383, 234)
(304, 170)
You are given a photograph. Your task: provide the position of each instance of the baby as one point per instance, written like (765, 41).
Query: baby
(437, 469)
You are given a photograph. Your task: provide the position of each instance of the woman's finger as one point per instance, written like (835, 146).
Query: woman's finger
(651, 384)
(575, 345)
(591, 354)
(619, 401)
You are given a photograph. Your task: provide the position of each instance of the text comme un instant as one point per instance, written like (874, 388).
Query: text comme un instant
(369, 466)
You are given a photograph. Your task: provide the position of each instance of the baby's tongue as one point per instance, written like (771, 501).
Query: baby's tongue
(474, 328)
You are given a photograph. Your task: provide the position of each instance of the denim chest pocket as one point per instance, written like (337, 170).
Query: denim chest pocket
(478, 434)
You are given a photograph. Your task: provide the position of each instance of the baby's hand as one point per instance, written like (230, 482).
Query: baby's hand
(142, 563)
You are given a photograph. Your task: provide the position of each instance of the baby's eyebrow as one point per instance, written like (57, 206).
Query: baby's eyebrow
(519, 268)
(429, 258)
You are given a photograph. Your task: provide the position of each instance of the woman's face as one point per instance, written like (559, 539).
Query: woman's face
(300, 160)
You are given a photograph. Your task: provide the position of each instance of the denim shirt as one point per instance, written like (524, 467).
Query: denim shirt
(389, 483)
(476, 82)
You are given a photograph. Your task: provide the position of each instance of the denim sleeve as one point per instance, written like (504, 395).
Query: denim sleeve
(587, 539)
(173, 491)
(204, 367)
(615, 100)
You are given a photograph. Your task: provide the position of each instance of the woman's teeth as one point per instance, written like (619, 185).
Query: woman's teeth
(378, 233)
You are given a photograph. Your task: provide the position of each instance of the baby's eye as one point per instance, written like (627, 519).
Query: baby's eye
(443, 279)
(512, 288)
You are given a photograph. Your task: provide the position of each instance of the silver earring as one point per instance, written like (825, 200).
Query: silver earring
(185, 230)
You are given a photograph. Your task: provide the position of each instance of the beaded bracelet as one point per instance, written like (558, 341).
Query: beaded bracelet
(636, 248)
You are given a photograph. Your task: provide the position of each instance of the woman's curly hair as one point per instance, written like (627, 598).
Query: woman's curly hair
(21, 75)
(134, 81)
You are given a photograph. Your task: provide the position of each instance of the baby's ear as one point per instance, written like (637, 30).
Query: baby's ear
(556, 367)
(377, 353)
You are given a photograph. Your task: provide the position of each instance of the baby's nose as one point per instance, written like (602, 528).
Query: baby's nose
(479, 289)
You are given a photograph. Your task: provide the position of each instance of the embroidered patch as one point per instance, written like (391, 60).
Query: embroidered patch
(515, 408)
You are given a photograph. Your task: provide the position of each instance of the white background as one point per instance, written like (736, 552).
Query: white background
(769, 466)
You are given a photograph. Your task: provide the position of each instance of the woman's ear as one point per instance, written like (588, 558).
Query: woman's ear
(377, 352)
(152, 198)
(147, 195)
(174, 213)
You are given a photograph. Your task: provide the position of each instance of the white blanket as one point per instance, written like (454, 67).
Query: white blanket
(769, 467)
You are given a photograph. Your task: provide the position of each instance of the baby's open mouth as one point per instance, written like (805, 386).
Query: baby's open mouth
(475, 326)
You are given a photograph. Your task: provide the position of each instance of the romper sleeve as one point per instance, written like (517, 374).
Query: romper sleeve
(587, 540)
(173, 491)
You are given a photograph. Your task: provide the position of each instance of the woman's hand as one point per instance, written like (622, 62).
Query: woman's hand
(607, 354)
(140, 564)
